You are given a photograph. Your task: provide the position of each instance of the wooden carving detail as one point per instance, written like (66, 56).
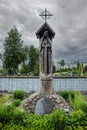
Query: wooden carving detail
(46, 54)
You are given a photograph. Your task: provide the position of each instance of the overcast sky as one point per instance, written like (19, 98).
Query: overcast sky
(69, 22)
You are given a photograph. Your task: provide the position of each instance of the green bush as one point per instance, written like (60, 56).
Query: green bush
(84, 106)
(68, 128)
(16, 102)
(4, 98)
(18, 116)
(13, 126)
(1, 125)
(58, 119)
(18, 94)
(79, 102)
(6, 113)
(76, 120)
(9, 114)
(38, 122)
(76, 100)
(15, 119)
(66, 94)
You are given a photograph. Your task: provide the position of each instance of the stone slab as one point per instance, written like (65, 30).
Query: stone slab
(44, 106)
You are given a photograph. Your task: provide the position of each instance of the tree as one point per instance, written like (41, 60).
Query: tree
(80, 69)
(14, 52)
(78, 64)
(62, 62)
(33, 58)
(24, 69)
(31, 63)
(54, 68)
(0, 56)
(24, 65)
(36, 69)
(85, 69)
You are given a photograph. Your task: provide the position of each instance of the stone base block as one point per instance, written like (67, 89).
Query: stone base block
(46, 86)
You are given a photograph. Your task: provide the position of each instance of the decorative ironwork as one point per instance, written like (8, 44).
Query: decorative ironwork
(45, 15)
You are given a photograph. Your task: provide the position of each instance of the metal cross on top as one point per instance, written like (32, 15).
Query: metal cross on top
(45, 15)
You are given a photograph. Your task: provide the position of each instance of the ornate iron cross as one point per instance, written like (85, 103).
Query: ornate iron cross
(45, 15)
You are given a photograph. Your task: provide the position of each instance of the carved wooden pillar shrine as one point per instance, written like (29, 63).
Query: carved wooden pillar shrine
(45, 35)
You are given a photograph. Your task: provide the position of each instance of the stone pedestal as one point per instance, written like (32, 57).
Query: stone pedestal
(54, 101)
(46, 85)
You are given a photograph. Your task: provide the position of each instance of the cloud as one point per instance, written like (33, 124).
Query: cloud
(69, 22)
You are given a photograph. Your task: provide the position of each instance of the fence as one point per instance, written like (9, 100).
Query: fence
(33, 83)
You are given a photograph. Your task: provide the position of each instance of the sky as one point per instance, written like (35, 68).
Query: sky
(69, 22)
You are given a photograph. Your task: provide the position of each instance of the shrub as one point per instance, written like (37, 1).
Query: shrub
(58, 119)
(6, 113)
(84, 106)
(9, 114)
(1, 125)
(38, 122)
(76, 100)
(76, 120)
(79, 102)
(16, 102)
(4, 98)
(18, 116)
(18, 94)
(13, 126)
(68, 128)
(66, 94)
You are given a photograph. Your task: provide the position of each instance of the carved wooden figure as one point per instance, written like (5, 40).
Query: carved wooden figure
(46, 54)
(45, 35)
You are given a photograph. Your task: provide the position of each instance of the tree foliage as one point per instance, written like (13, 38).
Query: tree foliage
(0, 56)
(54, 68)
(62, 62)
(31, 64)
(14, 52)
(33, 58)
(85, 69)
(80, 69)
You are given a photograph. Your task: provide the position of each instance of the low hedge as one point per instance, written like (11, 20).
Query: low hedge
(12, 118)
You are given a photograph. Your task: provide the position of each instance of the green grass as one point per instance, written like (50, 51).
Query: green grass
(76, 100)
(4, 99)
